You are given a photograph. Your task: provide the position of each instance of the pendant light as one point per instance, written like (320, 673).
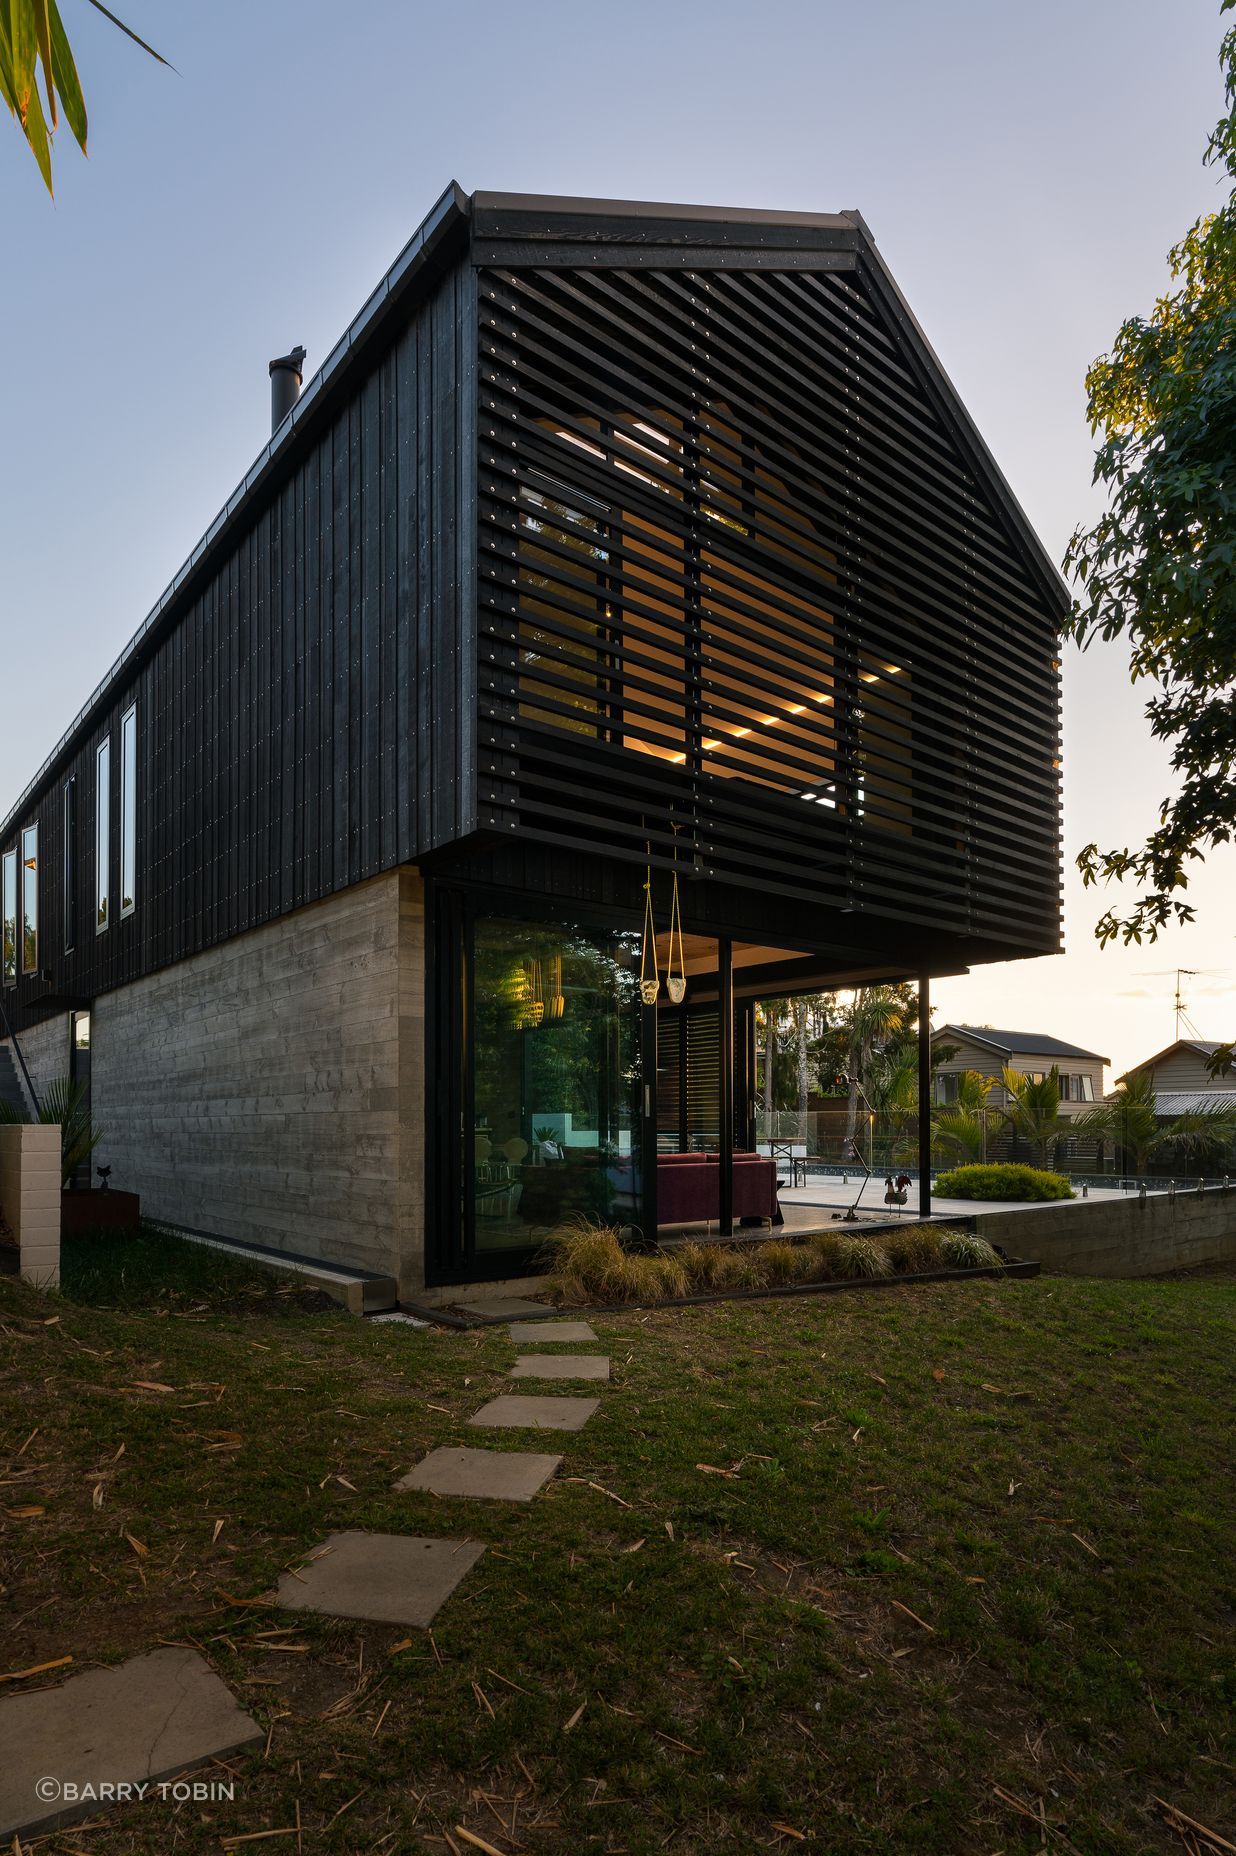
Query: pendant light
(649, 982)
(556, 1003)
(676, 983)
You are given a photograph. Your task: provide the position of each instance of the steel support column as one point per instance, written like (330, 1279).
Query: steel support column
(924, 1096)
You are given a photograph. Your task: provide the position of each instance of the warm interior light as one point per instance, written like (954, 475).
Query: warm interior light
(573, 438)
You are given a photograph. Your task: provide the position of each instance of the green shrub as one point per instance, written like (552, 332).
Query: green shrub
(1002, 1182)
(962, 1250)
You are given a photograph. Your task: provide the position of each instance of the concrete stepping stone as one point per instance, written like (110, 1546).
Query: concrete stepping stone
(493, 1475)
(525, 1332)
(502, 1307)
(132, 1726)
(383, 1578)
(537, 1414)
(560, 1366)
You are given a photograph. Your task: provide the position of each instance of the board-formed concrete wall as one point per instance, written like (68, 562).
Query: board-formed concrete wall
(272, 1089)
(45, 1046)
(1121, 1237)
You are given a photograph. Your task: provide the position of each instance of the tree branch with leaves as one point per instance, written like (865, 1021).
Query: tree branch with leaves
(34, 46)
(1159, 566)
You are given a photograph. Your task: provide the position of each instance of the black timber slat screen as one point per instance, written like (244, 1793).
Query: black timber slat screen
(743, 598)
(306, 720)
(688, 1079)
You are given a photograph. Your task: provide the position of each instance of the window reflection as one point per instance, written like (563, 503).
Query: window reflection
(30, 899)
(128, 810)
(556, 1078)
(9, 889)
(102, 834)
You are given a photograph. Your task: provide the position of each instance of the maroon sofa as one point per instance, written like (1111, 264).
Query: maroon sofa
(689, 1188)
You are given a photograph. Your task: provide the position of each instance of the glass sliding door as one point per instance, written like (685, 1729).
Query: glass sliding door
(554, 1084)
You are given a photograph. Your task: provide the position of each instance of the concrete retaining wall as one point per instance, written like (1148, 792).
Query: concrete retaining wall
(1124, 1237)
(272, 1089)
(30, 1197)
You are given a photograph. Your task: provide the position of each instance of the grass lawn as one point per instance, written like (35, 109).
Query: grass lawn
(940, 1569)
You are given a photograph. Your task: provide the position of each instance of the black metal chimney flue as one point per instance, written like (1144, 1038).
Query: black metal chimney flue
(286, 374)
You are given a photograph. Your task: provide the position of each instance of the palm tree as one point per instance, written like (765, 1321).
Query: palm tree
(1033, 1111)
(892, 1090)
(873, 1016)
(799, 1014)
(1131, 1118)
(33, 42)
(962, 1125)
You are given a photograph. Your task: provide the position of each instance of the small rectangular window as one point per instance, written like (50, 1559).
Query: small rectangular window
(128, 810)
(102, 833)
(70, 865)
(9, 890)
(30, 899)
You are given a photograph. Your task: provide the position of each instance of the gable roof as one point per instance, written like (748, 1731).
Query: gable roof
(1019, 1043)
(1204, 1047)
(534, 229)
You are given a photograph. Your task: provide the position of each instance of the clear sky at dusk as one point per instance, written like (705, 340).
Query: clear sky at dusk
(1024, 170)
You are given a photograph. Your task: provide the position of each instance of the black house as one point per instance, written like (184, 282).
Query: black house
(620, 558)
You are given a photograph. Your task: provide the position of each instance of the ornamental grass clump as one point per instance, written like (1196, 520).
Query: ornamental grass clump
(738, 1268)
(861, 1256)
(962, 1250)
(914, 1248)
(587, 1263)
(783, 1263)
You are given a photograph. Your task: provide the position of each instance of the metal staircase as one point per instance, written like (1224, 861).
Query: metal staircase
(11, 1092)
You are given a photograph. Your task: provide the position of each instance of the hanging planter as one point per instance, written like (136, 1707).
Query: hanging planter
(649, 978)
(676, 983)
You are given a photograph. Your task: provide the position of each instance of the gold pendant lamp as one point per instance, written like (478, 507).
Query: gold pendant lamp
(676, 983)
(649, 980)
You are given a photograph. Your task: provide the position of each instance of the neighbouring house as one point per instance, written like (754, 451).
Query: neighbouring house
(1181, 1070)
(1031, 1053)
(624, 565)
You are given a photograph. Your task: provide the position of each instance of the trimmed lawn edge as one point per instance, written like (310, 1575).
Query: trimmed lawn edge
(1016, 1266)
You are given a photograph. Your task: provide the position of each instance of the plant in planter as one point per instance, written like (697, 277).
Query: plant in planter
(64, 1102)
(962, 1250)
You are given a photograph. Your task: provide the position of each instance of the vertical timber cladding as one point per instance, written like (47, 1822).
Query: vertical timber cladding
(744, 601)
(305, 712)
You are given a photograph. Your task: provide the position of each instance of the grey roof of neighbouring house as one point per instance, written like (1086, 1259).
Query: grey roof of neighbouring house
(1173, 1102)
(1019, 1043)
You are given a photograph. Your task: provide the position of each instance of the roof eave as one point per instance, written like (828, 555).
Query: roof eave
(954, 410)
(448, 213)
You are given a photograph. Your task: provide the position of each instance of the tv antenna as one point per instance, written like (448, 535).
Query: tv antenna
(1183, 1021)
